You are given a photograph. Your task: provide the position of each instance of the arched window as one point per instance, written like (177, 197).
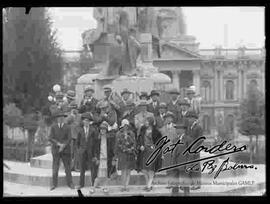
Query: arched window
(230, 124)
(253, 84)
(229, 90)
(206, 91)
(206, 124)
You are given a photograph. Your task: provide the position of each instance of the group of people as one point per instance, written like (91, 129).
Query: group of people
(107, 135)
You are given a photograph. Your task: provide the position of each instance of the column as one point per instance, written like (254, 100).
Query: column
(196, 80)
(146, 46)
(175, 76)
(244, 84)
(221, 85)
(239, 84)
(216, 85)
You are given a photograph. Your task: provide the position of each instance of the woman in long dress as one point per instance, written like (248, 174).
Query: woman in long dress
(148, 137)
(125, 152)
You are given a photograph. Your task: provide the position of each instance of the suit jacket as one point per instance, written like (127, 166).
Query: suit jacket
(152, 109)
(159, 121)
(62, 135)
(87, 143)
(174, 109)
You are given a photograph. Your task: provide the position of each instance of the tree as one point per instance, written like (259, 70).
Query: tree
(252, 120)
(32, 60)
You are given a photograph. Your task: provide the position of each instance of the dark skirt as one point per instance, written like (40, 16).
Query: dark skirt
(126, 161)
(146, 154)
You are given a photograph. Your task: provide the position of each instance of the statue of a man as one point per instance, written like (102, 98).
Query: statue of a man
(124, 53)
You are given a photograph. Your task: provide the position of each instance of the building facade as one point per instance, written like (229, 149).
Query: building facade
(221, 77)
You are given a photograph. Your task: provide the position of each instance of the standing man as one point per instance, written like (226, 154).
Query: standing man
(88, 104)
(86, 145)
(193, 100)
(60, 137)
(173, 104)
(160, 118)
(125, 96)
(153, 107)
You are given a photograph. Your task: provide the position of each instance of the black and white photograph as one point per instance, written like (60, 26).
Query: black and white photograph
(134, 101)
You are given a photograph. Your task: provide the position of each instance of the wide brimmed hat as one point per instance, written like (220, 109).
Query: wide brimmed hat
(169, 114)
(162, 105)
(183, 102)
(190, 90)
(192, 114)
(87, 115)
(59, 113)
(125, 90)
(89, 88)
(144, 94)
(173, 91)
(107, 88)
(130, 102)
(71, 94)
(143, 103)
(73, 105)
(124, 122)
(153, 92)
(179, 126)
(104, 125)
(59, 95)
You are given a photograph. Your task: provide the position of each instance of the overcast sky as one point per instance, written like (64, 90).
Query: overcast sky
(245, 25)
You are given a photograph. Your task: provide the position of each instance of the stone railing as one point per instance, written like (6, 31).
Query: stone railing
(241, 52)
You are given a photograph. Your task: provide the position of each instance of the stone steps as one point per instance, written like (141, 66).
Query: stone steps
(12, 189)
(39, 173)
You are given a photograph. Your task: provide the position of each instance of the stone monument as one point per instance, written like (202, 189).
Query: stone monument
(122, 46)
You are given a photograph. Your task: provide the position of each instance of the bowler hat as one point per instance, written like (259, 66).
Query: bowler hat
(169, 114)
(191, 114)
(183, 102)
(59, 113)
(71, 94)
(107, 88)
(125, 90)
(144, 94)
(143, 103)
(89, 88)
(87, 115)
(153, 92)
(162, 105)
(173, 91)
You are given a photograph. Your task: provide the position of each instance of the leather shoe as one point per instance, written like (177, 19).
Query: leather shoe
(52, 188)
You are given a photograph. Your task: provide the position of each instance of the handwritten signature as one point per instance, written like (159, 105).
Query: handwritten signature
(164, 146)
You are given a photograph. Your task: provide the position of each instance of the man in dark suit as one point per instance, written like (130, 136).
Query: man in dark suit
(153, 107)
(88, 104)
(60, 137)
(173, 105)
(86, 140)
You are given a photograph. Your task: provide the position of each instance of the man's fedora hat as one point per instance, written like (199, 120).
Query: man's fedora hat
(125, 90)
(153, 92)
(87, 115)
